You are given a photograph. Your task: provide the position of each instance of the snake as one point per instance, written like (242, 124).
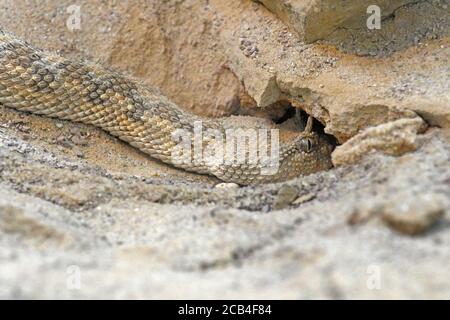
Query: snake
(44, 83)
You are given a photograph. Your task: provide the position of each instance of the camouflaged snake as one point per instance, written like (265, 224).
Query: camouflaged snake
(46, 84)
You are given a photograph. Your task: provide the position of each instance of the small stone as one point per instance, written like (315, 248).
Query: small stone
(59, 125)
(226, 186)
(413, 214)
(304, 198)
(286, 196)
(394, 138)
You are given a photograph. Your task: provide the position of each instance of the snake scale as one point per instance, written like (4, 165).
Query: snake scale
(44, 83)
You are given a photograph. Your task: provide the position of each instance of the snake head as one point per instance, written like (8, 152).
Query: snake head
(307, 153)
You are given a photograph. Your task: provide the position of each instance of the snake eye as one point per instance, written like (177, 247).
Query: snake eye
(308, 145)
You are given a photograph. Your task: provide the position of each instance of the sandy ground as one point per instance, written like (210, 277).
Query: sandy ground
(83, 215)
(155, 232)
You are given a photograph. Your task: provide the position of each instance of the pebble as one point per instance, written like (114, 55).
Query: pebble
(285, 197)
(413, 214)
(304, 198)
(226, 186)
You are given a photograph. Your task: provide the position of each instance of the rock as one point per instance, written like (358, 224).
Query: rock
(404, 211)
(304, 198)
(285, 197)
(226, 186)
(413, 214)
(346, 93)
(393, 138)
(316, 19)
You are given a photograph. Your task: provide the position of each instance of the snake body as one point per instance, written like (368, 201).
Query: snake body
(45, 83)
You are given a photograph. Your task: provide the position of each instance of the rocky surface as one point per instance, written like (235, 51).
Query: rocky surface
(344, 23)
(316, 19)
(83, 215)
(345, 92)
(394, 138)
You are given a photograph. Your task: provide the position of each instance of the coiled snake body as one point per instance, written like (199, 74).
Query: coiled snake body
(43, 83)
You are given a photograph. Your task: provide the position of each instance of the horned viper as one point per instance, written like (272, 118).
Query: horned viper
(46, 84)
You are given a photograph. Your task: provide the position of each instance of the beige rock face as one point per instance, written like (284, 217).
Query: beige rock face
(347, 93)
(179, 54)
(316, 19)
(408, 25)
(393, 138)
